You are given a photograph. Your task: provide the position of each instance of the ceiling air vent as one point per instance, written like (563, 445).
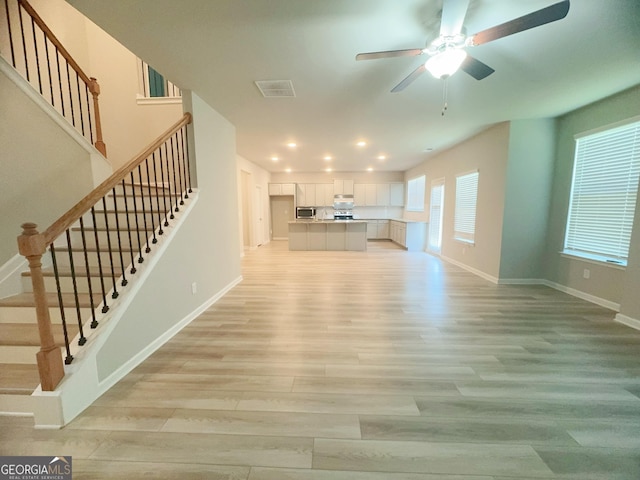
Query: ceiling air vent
(276, 88)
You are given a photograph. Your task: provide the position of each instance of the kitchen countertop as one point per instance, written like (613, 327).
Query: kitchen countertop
(328, 221)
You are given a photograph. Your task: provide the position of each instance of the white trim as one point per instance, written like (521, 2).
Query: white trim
(583, 295)
(521, 281)
(141, 356)
(475, 271)
(140, 100)
(593, 260)
(628, 321)
(10, 275)
(46, 107)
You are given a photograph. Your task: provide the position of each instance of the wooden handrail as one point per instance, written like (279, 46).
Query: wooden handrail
(55, 40)
(80, 208)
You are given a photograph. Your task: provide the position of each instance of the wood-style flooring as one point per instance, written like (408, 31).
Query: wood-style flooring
(377, 365)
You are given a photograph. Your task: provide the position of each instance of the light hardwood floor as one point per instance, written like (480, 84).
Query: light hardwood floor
(377, 365)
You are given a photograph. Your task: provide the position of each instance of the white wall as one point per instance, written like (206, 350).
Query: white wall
(328, 177)
(126, 126)
(204, 251)
(45, 171)
(486, 152)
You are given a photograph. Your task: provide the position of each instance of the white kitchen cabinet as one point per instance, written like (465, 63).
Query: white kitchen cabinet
(372, 229)
(306, 194)
(371, 194)
(383, 229)
(359, 194)
(382, 194)
(396, 194)
(324, 195)
(343, 187)
(411, 235)
(282, 189)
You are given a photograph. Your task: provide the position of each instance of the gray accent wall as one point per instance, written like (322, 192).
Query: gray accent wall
(605, 282)
(527, 198)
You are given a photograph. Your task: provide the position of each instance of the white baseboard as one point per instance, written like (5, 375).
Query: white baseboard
(628, 321)
(475, 271)
(583, 295)
(521, 281)
(141, 356)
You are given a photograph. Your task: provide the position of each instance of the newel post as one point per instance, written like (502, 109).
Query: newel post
(31, 245)
(94, 88)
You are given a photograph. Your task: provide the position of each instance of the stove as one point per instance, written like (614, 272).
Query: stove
(343, 215)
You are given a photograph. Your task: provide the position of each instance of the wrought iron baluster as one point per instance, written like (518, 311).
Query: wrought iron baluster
(108, 232)
(60, 82)
(177, 154)
(185, 148)
(24, 44)
(175, 183)
(46, 49)
(155, 181)
(73, 110)
(13, 55)
(164, 190)
(80, 109)
(35, 51)
(105, 307)
(86, 95)
(126, 211)
(144, 213)
(56, 274)
(135, 214)
(184, 164)
(94, 321)
(82, 339)
(124, 274)
(153, 222)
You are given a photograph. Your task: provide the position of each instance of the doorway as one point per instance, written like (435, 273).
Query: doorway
(281, 214)
(246, 208)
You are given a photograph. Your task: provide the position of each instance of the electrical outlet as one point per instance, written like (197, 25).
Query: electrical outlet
(586, 273)
(194, 288)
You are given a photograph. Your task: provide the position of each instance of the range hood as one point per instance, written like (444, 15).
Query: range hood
(343, 202)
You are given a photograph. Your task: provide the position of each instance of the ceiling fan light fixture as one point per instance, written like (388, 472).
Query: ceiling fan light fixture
(445, 63)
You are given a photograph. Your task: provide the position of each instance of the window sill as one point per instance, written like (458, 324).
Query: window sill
(471, 243)
(595, 259)
(158, 100)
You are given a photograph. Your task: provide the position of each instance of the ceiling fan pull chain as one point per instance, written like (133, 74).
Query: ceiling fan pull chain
(444, 96)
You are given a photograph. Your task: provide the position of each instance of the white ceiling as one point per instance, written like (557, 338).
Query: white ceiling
(218, 48)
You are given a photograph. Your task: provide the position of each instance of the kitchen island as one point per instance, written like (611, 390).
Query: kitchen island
(328, 235)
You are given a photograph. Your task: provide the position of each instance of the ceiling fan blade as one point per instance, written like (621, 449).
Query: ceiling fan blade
(453, 13)
(535, 19)
(410, 78)
(476, 68)
(412, 52)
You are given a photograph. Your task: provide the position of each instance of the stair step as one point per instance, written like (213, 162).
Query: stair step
(25, 334)
(18, 379)
(26, 300)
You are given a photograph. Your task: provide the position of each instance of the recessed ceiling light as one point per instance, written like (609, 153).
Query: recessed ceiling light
(361, 143)
(327, 158)
(292, 145)
(275, 159)
(327, 170)
(369, 169)
(382, 157)
(288, 170)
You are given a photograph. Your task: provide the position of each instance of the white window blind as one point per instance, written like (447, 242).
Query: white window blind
(603, 194)
(435, 215)
(415, 194)
(465, 213)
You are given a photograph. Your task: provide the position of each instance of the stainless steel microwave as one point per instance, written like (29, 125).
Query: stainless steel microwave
(305, 212)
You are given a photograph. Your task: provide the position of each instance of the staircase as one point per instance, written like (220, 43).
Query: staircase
(19, 339)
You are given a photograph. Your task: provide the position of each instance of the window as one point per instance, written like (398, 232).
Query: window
(153, 85)
(603, 193)
(464, 223)
(415, 194)
(436, 214)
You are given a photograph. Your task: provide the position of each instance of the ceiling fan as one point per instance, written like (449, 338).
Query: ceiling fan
(447, 53)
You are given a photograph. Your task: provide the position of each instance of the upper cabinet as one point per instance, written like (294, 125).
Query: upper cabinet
(343, 187)
(396, 194)
(282, 189)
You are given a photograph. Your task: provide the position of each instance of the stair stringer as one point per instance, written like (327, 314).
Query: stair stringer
(92, 371)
